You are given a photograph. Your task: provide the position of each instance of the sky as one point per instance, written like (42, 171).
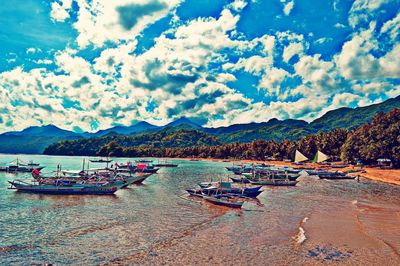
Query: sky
(86, 65)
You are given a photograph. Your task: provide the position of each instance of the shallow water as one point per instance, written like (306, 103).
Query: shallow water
(156, 223)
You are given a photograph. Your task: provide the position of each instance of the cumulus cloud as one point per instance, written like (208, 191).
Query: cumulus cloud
(100, 21)
(363, 10)
(59, 10)
(357, 61)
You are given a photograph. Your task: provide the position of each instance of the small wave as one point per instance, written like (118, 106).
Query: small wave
(301, 235)
(354, 202)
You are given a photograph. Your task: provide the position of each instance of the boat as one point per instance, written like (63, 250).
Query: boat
(165, 164)
(100, 160)
(225, 200)
(194, 192)
(226, 188)
(272, 175)
(143, 161)
(299, 157)
(335, 176)
(240, 180)
(274, 182)
(64, 189)
(19, 166)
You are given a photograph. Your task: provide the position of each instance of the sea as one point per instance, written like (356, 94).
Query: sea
(318, 222)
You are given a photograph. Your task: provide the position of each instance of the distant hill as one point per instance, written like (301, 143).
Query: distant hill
(126, 130)
(272, 130)
(184, 122)
(36, 139)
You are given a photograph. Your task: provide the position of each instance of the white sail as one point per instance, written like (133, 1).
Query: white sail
(321, 157)
(299, 157)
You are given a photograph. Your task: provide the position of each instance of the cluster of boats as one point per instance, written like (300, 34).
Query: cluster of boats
(254, 177)
(100, 181)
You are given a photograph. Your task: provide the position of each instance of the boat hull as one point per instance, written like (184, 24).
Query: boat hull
(60, 190)
(224, 203)
(274, 182)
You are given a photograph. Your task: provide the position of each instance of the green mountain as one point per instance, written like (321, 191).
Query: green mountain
(168, 137)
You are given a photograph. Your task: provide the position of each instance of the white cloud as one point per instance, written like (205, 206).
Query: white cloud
(291, 50)
(100, 21)
(339, 26)
(288, 8)
(44, 62)
(392, 27)
(59, 11)
(363, 10)
(33, 50)
(357, 61)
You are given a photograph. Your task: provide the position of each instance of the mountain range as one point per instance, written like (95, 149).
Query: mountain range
(36, 138)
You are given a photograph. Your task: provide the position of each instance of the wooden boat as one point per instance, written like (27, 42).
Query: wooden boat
(240, 180)
(74, 189)
(226, 188)
(17, 168)
(273, 182)
(335, 176)
(291, 177)
(100, 160)
(165, 164)
(196, 193)
(225, 200)
(143, 161)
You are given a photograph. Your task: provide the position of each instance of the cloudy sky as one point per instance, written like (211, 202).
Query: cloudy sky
(92, 64)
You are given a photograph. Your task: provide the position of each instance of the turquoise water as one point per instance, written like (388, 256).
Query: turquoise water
(156, 223)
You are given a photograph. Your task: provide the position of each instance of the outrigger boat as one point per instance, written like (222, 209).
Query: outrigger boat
(64, 189)
(100, 160)
(165, 164)
(272, 175)
(273, 182)
(335, 176)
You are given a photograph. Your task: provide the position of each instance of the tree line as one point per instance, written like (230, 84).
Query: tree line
(378, 139)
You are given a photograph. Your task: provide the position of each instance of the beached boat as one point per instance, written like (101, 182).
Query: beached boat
(194, 192)
(240, 180)
(335, 176)
(273, 182)
(73, 189)
(225, 200)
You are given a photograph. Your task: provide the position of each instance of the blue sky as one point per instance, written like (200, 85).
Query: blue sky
(90, 65)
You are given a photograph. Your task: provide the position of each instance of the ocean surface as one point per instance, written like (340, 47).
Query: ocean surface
(318, 222)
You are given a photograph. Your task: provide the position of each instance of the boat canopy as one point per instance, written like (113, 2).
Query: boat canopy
(320, 157)
(299, 157)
